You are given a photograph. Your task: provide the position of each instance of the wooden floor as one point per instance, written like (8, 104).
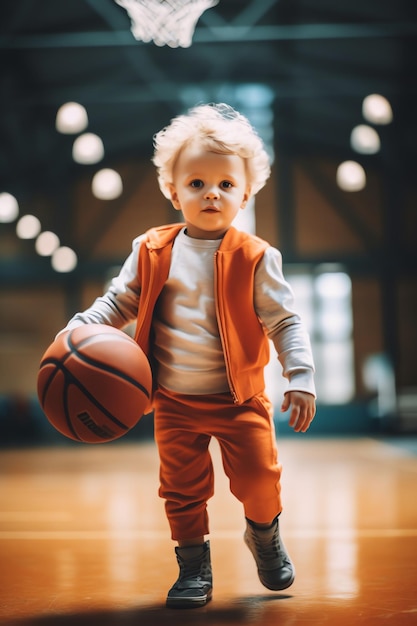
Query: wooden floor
(84, 540)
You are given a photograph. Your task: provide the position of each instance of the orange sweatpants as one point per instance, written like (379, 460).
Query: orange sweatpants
(184, 425)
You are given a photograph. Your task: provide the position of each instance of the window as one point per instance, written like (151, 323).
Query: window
(323, 299)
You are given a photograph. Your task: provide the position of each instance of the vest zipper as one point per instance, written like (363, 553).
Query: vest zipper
(219, 303)
(145, 304)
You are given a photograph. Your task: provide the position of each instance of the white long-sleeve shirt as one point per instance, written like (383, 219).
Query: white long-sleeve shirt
(187, 345)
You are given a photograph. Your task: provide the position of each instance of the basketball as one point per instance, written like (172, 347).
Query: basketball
(94, 383)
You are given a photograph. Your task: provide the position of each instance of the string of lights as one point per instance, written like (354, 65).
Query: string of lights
(106, 184)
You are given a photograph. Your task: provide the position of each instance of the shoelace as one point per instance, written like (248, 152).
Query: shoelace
(269, 549)
(193, 568)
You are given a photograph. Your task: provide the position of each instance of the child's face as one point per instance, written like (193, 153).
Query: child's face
(209, 189)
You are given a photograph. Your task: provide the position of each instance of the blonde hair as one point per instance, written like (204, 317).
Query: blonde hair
(220, 129)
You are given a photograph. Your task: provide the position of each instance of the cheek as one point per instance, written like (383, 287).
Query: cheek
(189, 196)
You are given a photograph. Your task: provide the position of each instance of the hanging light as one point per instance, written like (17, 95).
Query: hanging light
(9, 208)
(88, 149)
(46, 243)
(71, 118)
(28, 227)
(107, 184)
(377, 109)
(64, 259)
(365, 140)
(351, 176)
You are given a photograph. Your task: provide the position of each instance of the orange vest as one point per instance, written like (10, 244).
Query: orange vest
(244, 341)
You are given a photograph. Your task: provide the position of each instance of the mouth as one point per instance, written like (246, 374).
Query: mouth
(210, 209)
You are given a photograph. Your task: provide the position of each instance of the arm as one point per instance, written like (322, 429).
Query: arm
(119, 305)
(274, 304)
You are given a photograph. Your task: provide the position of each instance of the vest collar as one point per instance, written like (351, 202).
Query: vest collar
(161, 236)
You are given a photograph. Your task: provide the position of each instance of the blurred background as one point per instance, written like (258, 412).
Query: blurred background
(330, 86)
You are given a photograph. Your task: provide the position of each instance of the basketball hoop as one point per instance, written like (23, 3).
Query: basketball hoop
(165, 22)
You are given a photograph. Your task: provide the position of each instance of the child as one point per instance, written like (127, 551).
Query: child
(206, 298)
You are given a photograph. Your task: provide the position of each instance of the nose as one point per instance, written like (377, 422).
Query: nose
(211, 194)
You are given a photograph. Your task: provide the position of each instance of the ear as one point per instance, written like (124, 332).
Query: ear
(245, 198)
(174, 196)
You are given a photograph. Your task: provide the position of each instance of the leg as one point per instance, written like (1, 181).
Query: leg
(186, 470)
(250, 459)
(187, 483)
(251, 463)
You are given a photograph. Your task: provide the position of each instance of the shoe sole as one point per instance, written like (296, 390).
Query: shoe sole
(188, 603)
(274, 588)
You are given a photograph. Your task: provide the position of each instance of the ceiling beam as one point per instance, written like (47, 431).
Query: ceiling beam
(215, 34)
(144, 66)
(130, 94)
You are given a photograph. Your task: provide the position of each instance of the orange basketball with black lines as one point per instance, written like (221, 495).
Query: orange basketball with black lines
(94, 383)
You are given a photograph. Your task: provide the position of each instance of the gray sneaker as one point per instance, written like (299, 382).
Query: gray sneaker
(194, 585)
(275, 568)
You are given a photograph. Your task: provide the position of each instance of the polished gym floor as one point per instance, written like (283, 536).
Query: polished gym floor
(84, 540)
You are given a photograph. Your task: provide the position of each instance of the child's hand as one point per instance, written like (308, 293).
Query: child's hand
(303, 409)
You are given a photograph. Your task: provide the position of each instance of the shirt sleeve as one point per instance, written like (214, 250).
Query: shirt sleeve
(274, 304)
(119, 305)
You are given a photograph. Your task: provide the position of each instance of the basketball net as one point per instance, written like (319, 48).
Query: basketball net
(165, 22)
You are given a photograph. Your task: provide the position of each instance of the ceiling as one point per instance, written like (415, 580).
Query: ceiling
(318, 58)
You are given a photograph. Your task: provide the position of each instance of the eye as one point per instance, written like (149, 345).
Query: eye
(226, 184)
(197, 183)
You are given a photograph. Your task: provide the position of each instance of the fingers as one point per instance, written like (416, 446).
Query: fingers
(285, 403)
(300, 419)
(294, 417)
(302, 410)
